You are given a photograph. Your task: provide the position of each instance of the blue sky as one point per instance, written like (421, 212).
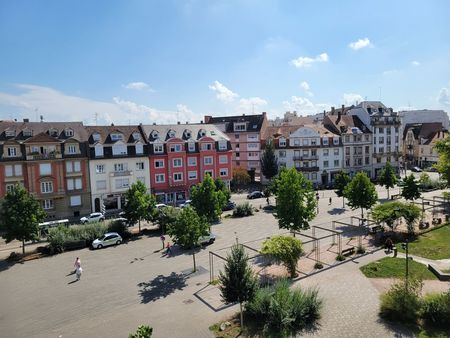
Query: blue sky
(165, 61)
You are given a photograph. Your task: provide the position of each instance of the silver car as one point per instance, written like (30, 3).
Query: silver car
(94, 217)
(110, 238)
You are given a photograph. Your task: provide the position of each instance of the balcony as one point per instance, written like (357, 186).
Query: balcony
(305, 158)
(376, 121)
(307, 169)
(45, 156)
(121, 173)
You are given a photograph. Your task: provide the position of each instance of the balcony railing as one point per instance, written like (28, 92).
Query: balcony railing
(122, 173)
(47, 156)
(307, 169)
(304, 158)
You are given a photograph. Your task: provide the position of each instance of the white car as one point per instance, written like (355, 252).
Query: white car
(110, 238)
(161, 205)
(94, 217)
(186, 204)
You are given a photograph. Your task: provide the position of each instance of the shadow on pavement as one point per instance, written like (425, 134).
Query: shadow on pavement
(336, 211)
(161, 287)
(6, 264)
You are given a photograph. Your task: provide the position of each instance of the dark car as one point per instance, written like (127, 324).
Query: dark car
(230, 206)
(255, 194)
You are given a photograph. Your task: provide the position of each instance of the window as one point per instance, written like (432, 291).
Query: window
(379, 160)
(122, 183)
(74, 184)
(73, 166)
(325, 141)
(96, 137)
(139, 165)
(313, 142)
(347, 151)
(223, 159)
(380, 130)
(396, 139)
(45, 169)
(13, 170)
(98, 150)
(10, 133)
(208, 172)
(47, 204)
(75, 201)
(12, 151)
(313, 176)
(305, 164)
(335, 140)
(336, 151)
(46, 187)
(306, 175)
(171, 133)
(191, 146)
(381, 140)
(119, 167)
(116, 137)
(237, 146)
(236, 137)
(136, 136)
(158, 148)
(139, 148)
(119, 149)
(305, 153)
(223, 145)
(282, 142)
(367, 149)
(238, 155)
(10, 188)
(71, 149)
(159, 163)
(192, 161)
(253, 146)
(208, 160)
(177, 177)
(250, 154)
(374, 140)
(239, 127)
(347, 162)
(175, 148)
(100, 169)
(160, 178)
(367, 161)
(177, 163)
(347, 138)
(223, 172)
(206, 146)
(297, 142)
(396, 129)
(325, 164)
(101, 185)
(325, 152)
(192, 175)
(282, 153)
(252, 137)
(336, 163)
(27, 132)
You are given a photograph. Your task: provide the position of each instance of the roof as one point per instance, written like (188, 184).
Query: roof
(344, 123)
(425, 131)
(106, 131)
(286, 131)
(79, 131)
(191, 131)
(254, 122)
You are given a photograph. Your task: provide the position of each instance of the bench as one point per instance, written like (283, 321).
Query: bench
(375, 229)
(348, 251)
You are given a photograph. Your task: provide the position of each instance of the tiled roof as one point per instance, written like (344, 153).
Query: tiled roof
(345, 123)
(183, 131)
(79, 132)
(254, 122)
(106, 131)
(425, 131)
(286, 131)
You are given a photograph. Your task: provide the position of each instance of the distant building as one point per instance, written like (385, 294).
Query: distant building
(424, 116)
(244, 132)
(419, 140)
(291, 118)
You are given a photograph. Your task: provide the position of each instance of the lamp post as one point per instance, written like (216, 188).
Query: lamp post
(405, 247)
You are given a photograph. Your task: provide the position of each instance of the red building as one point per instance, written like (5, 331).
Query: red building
(181, 156)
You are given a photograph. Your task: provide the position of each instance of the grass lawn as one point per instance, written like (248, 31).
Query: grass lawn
(390, 267)
(433, 244)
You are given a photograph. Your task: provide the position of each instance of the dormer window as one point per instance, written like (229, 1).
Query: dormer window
(240, 127)
(96, 137)
(191, 146)
(10, 133)
(27, 133)
(119, 149)
(202, 132)
(282, 142)
(136, 136)
(171, 133)
(116, 137)
(325, 141)
(53, 132)
(98, 150)
(187, 134)
(155, 134)
(68, 132)
(139, 148)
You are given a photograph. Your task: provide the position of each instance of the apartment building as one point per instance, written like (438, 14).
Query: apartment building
(117, 159)
(419, 140)
(244, 133)
(50, 161)
(424, 116)
(180, 156)
(356, 140)
(312, 149)
(384, 124)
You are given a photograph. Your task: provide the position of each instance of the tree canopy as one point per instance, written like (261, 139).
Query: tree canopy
(284, 249)
(206, 200)
(390, 212)
(166, 216)
(341, 179)
(269, 162)
(361, 193)
(241, 176)
(443, 165)
(20, 216)
(295, 200)
(387, 177)
(139, 205)
(410, 190)
(223, 193)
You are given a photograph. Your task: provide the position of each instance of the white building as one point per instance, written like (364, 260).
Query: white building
(424, 116)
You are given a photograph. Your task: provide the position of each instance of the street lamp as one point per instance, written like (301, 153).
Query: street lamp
(405, 247)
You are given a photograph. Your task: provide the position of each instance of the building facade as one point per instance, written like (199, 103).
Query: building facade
(244, 133)
(50, 161)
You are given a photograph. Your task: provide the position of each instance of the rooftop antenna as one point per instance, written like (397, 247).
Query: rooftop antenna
(42, 118)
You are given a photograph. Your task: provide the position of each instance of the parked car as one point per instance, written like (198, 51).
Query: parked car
(416, 169)
(208, 239)
(123, 220)
(255, 194)
(161, 205)
(230, 206)
(94, 217)
(110, 238)
(186, 204)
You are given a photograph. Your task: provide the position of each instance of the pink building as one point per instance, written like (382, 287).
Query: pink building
(181, 156)
(244, 132)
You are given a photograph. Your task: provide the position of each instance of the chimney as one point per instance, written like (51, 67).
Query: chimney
(207, 118)
(243, 114)
(332, 110)
(339, 116)
(154, 123)
(26, 120)
(343, 110)
(187, 122)
(201, 122)
(178, 122)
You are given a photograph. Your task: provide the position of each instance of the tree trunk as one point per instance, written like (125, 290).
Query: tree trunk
(343, 202)
(362, 213)
(23, 246)
(139, 225)
(388, 192)
(242, 316)
(193, 257)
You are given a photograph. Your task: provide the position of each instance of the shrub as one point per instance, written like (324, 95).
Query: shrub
(120, 227)
(340, 258)
(143, 331)
(58, 237)
(283, 310)
(243, 210)
(402, 302)
(284, 249)
(436, 310)
(361, 249)
(318, 266)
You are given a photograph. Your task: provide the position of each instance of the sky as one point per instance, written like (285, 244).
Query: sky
(131, 61)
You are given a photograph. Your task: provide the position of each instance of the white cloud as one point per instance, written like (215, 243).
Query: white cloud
(252, 104)
(305, 86)
(351, 98)
(58, 106)
(415, 63)
(444, 96)
(139, 86)
(223, 93)
(304, 106)
(305, 61)
(361, 43)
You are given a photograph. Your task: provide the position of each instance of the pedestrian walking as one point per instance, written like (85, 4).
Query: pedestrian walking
(168, 249)
(268, 202)
(389, 245)
(162, 238)
(78, 272)
(329, 201)
(77, 264)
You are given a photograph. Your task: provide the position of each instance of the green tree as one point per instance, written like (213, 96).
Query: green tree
(295, 201)
(166, 216)
(361, 193)
(143, 331)
(284, 249)
(341, 179)
(388, 213)
(206, 200)
(223, 193)
(240, 176)
(238, 282)
(387, 177)
(411, 213)
(425, 181)
(443, 164)
(139, 205)
(187, 229)
(20, 216)
(410, 190)
(269, 162)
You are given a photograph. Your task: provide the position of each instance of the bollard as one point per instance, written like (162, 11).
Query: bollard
(395, 251)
